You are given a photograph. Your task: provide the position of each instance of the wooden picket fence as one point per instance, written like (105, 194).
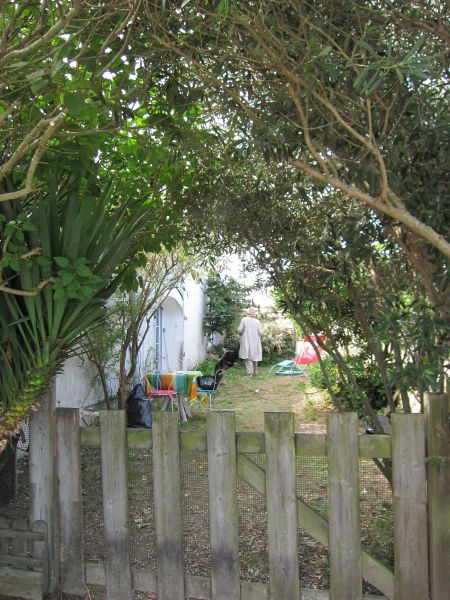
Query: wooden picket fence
(227, 452)
(23, 558)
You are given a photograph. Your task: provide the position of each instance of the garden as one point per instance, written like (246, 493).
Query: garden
(249, 398)
(143, 140)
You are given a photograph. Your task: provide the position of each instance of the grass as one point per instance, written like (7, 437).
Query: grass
(250, 397)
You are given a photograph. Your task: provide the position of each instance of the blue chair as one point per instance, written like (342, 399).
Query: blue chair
(208, 394)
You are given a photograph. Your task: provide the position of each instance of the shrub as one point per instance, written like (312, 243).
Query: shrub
(226, 298)
(278, 338)
(367, 376)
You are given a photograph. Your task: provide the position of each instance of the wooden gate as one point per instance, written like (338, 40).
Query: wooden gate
(23, 558)
(228, 459)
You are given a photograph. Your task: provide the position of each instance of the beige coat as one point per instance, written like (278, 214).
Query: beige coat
(250, 332)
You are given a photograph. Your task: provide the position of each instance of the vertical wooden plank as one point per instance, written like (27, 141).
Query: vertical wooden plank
(43, 505)
(343, 502)
(223, 509)
(20, 547)
(410, 507)
(438, 478)
(281, 506)
(4, 541)
(167, 486)
(69, 495)
(8, 477)
(40, 548)
(115, 504)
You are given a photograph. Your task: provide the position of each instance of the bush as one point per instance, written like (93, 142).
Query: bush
(367, 376)
(231, 340)
(278, 339)
(226, 298)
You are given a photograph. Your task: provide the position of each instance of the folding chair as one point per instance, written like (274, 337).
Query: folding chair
(206, 396)
(158, 385)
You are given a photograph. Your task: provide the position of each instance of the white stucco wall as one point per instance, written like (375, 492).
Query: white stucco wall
(77, 386)
(194, 311)
(183, 346)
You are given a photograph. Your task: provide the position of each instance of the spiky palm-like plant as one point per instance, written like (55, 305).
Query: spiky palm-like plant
(61, 257)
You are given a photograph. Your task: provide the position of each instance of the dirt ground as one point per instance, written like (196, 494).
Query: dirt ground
(249, 397)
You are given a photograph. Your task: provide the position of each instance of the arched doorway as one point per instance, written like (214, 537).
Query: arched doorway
(171, 335)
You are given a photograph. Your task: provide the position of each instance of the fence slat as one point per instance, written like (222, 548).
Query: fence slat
(343, 502)
(40, 549)
(410, 507)
(69, 495)
(20, 546)
(438, 476)
(42, 459)
(4, 542)
(223, 509)
(281, 506)
(115, 504)
(167, 486)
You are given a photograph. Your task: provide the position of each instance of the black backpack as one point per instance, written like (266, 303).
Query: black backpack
(209, 382)
(206, 382)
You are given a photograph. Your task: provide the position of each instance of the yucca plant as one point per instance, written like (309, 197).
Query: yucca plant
(63, 255)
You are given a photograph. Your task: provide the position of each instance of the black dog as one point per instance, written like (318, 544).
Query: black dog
(227, 361)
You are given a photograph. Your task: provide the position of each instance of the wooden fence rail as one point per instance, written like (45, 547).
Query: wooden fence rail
(227, 453)
(23, 558)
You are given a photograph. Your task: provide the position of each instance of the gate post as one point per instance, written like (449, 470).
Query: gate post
(43, 504)
(70, 502)
(281, 506)
(113, 442)
(438, 479)
(344, 510)
(168, 520)
(410, 507)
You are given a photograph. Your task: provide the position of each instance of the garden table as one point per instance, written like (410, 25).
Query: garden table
(185, 385)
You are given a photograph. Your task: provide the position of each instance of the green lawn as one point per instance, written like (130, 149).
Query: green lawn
(250, 397)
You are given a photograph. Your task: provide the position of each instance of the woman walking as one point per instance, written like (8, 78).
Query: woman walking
(250, 349)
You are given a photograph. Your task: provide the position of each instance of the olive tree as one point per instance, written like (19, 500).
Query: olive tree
(353, 94)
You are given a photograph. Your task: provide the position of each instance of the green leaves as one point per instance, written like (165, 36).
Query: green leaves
(39, 330)
(385, 63)
(75, 103)
(61, 261)
(75, 280)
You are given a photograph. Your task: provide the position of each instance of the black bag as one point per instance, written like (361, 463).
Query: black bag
(139, 412)
(206, 382)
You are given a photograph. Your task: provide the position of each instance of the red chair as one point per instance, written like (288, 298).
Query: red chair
(163, 389)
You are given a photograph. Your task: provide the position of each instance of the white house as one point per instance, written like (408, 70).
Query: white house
(175, 342)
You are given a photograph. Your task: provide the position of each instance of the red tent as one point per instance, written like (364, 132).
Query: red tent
(307, 354)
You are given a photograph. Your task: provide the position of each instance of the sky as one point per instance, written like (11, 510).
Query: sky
(234, 267)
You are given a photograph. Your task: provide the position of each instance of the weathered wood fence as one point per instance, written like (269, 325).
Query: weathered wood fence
(23, 558)
(415, 514)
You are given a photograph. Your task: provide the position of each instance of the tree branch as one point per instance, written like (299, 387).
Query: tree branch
(42, 145)
(44, 39)
(397, 213)
(27, 293)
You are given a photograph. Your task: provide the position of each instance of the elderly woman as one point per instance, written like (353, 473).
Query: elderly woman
(250, 349)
